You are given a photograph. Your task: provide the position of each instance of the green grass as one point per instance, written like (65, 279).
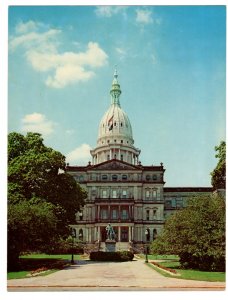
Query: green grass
(162, 257)
(50, 256)
(32, 262)
(191, 274)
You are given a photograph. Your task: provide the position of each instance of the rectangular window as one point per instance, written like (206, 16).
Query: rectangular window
(124, 214)
(104, 214)
(148, 215)
(124, 194)
(147, 194)
(104, 194)
(114, 194)
(114, 214)
(154, 194)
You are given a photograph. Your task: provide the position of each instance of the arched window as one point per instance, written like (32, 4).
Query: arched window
(148, 235)
(80, 235)
(154, 234)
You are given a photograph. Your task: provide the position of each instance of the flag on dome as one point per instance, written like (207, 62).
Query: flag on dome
(110, 123)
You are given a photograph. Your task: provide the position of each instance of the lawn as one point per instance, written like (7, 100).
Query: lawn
(172, 262)
(42, 264)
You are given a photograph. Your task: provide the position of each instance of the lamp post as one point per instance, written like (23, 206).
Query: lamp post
(73, 234)
(146, 234)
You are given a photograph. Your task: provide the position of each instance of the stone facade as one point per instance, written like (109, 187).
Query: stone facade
(121, 191)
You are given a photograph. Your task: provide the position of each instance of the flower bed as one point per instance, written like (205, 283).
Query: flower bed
(174, 272)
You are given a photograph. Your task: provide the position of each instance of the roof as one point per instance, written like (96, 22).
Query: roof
(188, 189)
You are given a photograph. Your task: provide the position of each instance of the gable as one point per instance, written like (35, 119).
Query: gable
(115, 165)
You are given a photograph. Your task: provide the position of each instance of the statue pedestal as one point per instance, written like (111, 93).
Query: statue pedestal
(110, 245)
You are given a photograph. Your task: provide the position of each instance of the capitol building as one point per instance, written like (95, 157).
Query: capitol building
(121, 191)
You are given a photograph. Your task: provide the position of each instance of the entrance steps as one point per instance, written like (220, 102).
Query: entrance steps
(120, 246)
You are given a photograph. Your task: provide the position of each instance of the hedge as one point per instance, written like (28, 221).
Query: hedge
(111, 256)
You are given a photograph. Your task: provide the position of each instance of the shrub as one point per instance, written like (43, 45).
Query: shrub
(111, 256)
(65, 247)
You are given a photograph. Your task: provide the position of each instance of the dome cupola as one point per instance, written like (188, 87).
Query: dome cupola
(115, 139)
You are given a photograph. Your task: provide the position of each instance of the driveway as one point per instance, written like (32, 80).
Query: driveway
(109, 276)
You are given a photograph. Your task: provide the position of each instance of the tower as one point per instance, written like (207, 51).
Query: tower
(115, 138)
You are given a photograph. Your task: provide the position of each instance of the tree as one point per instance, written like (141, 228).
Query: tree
(37, 179)
(196, 234)
(218, 179)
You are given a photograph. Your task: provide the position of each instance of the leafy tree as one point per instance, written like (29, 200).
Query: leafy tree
(38, 185)
(196, 234)
(218, 179)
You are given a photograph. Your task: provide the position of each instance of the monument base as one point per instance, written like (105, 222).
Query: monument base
(110, 246)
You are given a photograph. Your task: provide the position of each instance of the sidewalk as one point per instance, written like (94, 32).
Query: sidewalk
(109, 276)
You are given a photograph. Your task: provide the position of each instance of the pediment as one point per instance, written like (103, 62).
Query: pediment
(115, 165)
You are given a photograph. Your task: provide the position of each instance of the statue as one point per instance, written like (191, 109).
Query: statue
(110, 232)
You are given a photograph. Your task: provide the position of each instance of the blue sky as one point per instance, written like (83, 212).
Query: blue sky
(171, 66)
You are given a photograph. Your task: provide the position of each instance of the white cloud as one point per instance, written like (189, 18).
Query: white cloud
(36, 122)
(143, 16)
(120, 51)
(32, 40)
(41, 52)
(25, 27)
(80, 155)
(109, 11)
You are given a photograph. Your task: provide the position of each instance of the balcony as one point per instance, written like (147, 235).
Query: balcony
(149, 221)
(115, 200)
(128, 220)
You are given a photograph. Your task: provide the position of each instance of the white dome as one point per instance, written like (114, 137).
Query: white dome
(115, 124)
(115, 140)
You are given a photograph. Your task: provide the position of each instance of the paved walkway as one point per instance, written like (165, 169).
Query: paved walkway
(113, 276)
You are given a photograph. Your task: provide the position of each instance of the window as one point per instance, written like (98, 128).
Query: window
(154, 194)
(108, 141)
(154, 213)
(114, 194)
(114, 177)
(147, 215)
(104, 214)
(80, 235)
(114, 213)
(104, 177)
(114, 123)
(124, 214)
(93, 190)
(124, 194)
(124, 177)
(121, 141)
(81, 178)
(155, 234)
(147, 177)
(154, 177)
(104, 194)
(121, 124)
(121, 157)
(147, 194)
(108, 157)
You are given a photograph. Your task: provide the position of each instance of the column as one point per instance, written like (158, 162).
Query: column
(129, 233)
(110, 154)
(98, 209)
(119, 234)
(119, 154)
(109, 212)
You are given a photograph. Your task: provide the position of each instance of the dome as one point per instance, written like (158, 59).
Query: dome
(115, 126)
(115, 139)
